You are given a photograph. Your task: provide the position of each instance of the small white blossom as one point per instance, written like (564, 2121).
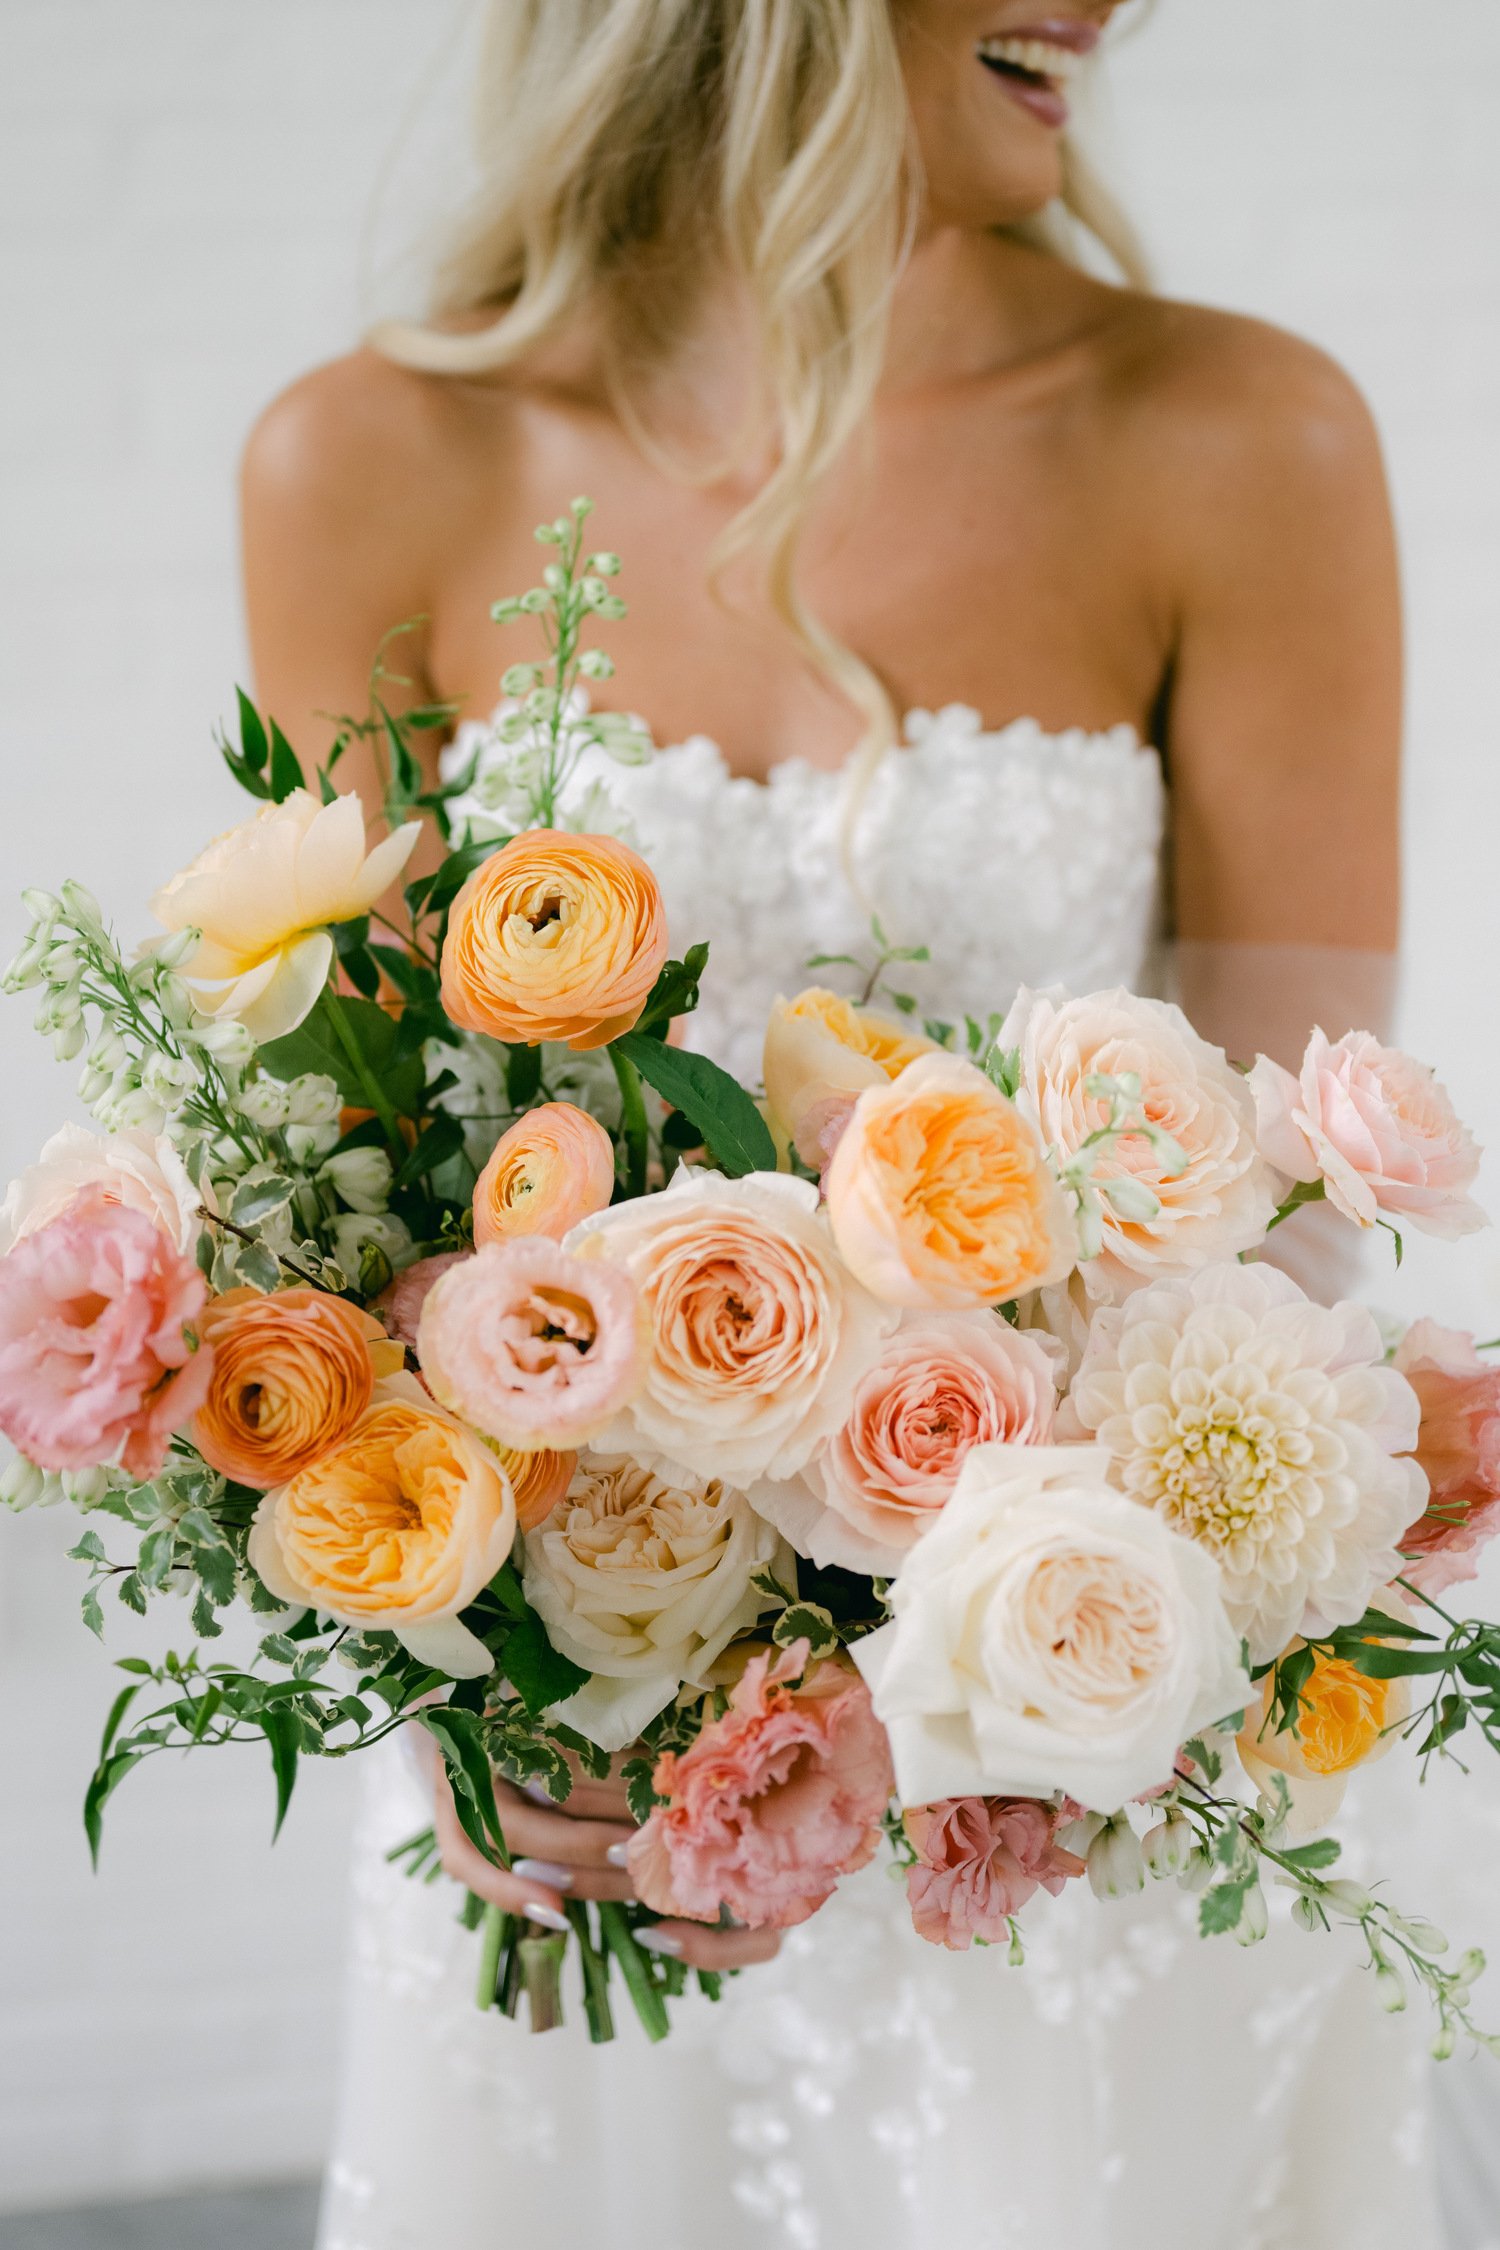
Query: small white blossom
(1117, 1868)
(361, 1177)
(308, 1144)
(353, 1229)
(314, 1100)
(266, 1102)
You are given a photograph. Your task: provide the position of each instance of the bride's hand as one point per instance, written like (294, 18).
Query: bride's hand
(577, 1850)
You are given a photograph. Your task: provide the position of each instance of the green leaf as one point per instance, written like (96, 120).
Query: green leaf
(807, 1621)
(280, 1728)
(254, 748)
(316, 1046)
(93, 1615)
(639, 1793)
(675, 992)
(430, 894)
(116, 1718)
(106, 1780)
(257, 1266)
(412, 979)
(459, 1736)
(523, 1075)
(158, 1549)
(286, 768)
(1207, 1760)
(1321, 1852)
(717, 1104)
(255, 1200)
(443, 1138)
(1219, 1910)
(90, 1548)
(539, 1673)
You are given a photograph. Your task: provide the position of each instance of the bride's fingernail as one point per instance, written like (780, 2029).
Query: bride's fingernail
(659, 1941)
(618, 1855)
(539, 1794)
(548, 1916)
(543, 1871)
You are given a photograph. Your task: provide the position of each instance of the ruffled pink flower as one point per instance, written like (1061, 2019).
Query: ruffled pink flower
(531, 1345)
(773, 1802)
(400, 1302)
(1378, 1130)
(1458, 1444)
(979, 1859)
(95, 1361)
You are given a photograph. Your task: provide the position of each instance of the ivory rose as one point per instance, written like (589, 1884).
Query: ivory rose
(557, 937)
(944, 1383)
(773, 1803)
(1458, 1450)
(263, 895)
(141, 1170)
(552, 1168)
(1048, 1635)
(1376, 1128)
(97, 1358)
(292, 1374)
(1263, 1427)
(979, 1860)
(821, 1053)
(1345, 1720)
(939, 1193)
(395, 1529)
(643, 1583)
(536, 1348)
(1220, 1203)
(756, 1332)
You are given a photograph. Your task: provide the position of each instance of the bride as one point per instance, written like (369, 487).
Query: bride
(806, 295)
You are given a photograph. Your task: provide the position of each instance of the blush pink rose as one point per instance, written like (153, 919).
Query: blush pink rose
(1458, 1445)
(773, 1803)
(1378, 1130)
(534, 1347)
(979, 1860)
(95, 1361)
(400, 1302)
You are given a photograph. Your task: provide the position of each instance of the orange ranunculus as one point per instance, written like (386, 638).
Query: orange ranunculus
(821, 1053)
(395, 1530)
(1344, 1721)
(553, 1167)
(939, 1193)
(557, 937)
(292, 1374)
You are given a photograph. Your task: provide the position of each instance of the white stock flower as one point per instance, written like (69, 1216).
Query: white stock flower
(1220, 1203)
(361, 1176)
(264, 1101)
(314, 1099)
(353, 1229)
(140, 1170)
(1262, 1426)
(644, 1583)
(1048, 1635)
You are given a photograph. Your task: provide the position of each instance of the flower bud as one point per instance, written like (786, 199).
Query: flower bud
(1308, 1916)
(361, 1176)
(354, 1229)
(25, 969)
(313, 1100)
(1199, 1871)
(1390, 1989)
(1254, 1919)
(1349, 1898)
(69, 1040)
(176, 1002)
(86, 1487)
(1115, 1864)
(81, 906)
(43, 908)
(167, 1078)
(1443, 2043)
(1470, 1966)
(227, 1041)
(137, 1109)
(1168, 1847)
(307, 1143)
(179, 947)
(265, 1101)
(24, 1485)
(1425, 1936)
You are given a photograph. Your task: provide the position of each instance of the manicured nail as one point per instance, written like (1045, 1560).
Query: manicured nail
(659, 1941)
(548, 1916)
(539, 1794)
(543, 1871)
(618, 1855)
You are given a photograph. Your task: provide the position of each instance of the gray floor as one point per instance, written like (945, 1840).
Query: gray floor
(279, 2218)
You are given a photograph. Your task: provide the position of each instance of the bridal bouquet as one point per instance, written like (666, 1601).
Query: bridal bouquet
(920, 1456)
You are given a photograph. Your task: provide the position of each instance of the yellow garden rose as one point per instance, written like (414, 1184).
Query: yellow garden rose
(939, 1193)
(263, 896)
(821, 1053)
(1344, 1722)
(556, 937)
(395, 1529)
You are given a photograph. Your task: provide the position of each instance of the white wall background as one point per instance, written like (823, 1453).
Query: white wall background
(183, 186)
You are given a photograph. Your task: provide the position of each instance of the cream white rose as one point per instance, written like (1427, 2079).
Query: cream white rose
(262, 896)
(643, 1583)
(758, 1331)
(140, 1170)
(1220, 1203)
(1049, 1636)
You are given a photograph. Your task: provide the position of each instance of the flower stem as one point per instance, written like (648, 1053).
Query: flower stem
(595, 1960)
(632, 1121)
(495, 1929)
(542, 1955)
(614, 1925)
(370, 1084)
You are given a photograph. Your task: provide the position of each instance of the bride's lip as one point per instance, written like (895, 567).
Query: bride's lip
(1034, 61)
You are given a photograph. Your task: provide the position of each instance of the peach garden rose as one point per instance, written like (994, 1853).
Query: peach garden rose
(141, 1170)
(554, 1167)
(557, 937)
(1458, 1451)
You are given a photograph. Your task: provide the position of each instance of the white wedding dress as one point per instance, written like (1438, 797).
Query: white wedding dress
(1132, 2088)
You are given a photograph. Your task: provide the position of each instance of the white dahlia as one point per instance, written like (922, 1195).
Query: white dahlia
(1263, 1426)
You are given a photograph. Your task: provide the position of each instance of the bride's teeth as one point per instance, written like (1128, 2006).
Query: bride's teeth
(1036, 55)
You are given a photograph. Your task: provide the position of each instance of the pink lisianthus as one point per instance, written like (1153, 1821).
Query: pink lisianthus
(1458, 1445)
(979, 1859)
(774, 1801)
(1376, 1128)
(95, 1362)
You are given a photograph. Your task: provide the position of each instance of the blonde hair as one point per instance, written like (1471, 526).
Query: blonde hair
(630, 151)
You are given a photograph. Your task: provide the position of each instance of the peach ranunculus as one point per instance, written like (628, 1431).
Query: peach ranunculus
(1458, 1446)
(552, 1168)
(538, 1349)
(821, 1053)
(944, 1383)
(557, 937)
(773, 1803)
(756, 1331)
(979, 1860)
(644, 1581)
(141, 1170)
(1376, 1128)
(394, 1530)
(1345, 1720)
(293, 1372)
(263, 895)
(97, 1360)
(939, 1193)
(1219, 1203)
